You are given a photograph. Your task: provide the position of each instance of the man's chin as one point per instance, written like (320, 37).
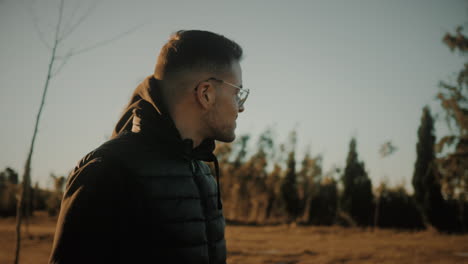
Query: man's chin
(227, 138)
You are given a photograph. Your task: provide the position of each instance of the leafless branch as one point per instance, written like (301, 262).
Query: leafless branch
(25, 192)
(72, 53)
(104, 42)
(64, 61)
(72, 28)
(71, 17)
(36, 26)
(59, 23)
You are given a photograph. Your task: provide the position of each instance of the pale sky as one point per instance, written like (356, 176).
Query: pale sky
(333, 69)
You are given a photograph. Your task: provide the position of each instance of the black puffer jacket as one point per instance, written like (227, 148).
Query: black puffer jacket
(145, 196)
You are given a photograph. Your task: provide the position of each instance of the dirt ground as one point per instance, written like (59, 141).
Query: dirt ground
(281, 244)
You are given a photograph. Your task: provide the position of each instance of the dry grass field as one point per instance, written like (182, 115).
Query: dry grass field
(282, 244)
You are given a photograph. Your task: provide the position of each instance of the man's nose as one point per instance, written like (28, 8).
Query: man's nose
(241, 109)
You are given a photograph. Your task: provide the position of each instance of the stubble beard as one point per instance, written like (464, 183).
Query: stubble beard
(219, 128)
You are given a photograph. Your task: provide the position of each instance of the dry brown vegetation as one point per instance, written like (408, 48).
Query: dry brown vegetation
(281, 244)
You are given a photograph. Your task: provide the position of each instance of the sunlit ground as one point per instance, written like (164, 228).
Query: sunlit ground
(282, 244)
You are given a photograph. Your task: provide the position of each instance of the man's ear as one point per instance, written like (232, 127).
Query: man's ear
(205, 95)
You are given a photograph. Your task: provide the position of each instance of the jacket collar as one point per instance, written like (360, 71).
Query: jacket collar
(158, 127)
(147, 114)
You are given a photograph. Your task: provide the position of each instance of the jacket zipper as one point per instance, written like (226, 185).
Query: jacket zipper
(193, 167)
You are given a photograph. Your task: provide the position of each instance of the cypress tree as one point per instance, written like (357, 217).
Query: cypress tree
(357, 196)
(425, 156)
(427, 191)
(289, 191)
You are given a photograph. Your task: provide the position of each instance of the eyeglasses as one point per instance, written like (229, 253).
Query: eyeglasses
(241, 96)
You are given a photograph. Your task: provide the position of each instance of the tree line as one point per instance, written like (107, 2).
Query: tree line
(269, 188)
(41, 199)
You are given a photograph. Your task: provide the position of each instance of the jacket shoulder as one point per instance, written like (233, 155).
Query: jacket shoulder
(91, 208)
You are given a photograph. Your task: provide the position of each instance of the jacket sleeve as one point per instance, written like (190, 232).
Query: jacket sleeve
(88, 225)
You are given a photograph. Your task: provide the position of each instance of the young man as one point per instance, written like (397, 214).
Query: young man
(146, 196)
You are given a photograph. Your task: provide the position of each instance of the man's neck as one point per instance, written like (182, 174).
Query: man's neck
(187, 125)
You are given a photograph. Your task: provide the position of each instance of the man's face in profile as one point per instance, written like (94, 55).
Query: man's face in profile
(222, 117)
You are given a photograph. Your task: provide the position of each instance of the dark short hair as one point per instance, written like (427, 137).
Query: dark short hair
(191, 49)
